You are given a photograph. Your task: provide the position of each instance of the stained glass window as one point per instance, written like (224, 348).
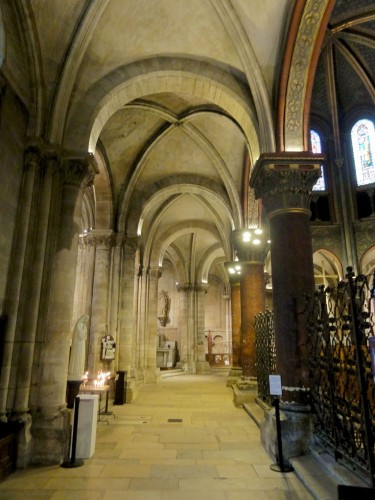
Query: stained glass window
(363, 143)
(316, 147)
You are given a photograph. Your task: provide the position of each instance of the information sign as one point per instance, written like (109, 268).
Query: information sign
(275, 385)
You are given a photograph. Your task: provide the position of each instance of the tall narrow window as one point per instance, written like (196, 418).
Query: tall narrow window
(363, 143)
(316, 147)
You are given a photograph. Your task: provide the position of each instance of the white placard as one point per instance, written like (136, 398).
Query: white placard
(275, 385)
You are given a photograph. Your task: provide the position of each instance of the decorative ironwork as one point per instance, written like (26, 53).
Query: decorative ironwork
(265, 353)
(340, 329)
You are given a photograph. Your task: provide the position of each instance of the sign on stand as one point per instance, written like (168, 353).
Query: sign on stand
(275, 385)
(276, 390)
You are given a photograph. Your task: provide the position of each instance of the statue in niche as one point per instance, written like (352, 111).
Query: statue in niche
(78, 351)
(164, 305)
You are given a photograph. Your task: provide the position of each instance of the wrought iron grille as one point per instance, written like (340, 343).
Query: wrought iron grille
(265, 353)
(340, 331)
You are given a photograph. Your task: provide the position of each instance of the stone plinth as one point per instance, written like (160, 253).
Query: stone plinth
(296, 433)
(234, 376)
(51, 436)
(245, 391)
(203, 367)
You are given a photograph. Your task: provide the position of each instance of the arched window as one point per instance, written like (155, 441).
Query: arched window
(316, 147)
(363, 144)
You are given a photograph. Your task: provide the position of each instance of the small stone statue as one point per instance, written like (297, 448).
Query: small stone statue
(78, 351)
(164, 307)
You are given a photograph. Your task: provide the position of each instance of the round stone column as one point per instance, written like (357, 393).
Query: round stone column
(284, 182)
(250, 245)
(252, 303)
(202, 365)
(100, 301)
(151, 331)
(50, 162)
(183, 324)
(235, 304)
(50, 422)
(128, 310)
(235, 309)
(20, 264)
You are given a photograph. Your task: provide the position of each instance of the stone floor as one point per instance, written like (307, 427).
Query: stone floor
(182, 439)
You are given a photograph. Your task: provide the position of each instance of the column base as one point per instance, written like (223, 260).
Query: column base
(245, 391)
(51, 430)
(234, 376)
(296, 432)
(131, 390)
(23, 421)
(203, 367)
(150, 375)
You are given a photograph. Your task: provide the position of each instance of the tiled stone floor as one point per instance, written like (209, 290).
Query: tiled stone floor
(214, 453)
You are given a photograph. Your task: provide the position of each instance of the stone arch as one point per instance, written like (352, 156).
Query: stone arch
(367, 261)
(213, 255)
(328, 269)
(210, 152)
(155, 253)
(174, 256)
(155, 247)
(146, 77)
(169, 188)
(103, 194)
(305, 38)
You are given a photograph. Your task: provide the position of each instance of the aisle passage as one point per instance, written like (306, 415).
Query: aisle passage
(182, 439)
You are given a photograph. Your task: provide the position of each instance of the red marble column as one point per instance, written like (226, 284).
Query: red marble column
(252, 303)
(236, 322)
(284, 182)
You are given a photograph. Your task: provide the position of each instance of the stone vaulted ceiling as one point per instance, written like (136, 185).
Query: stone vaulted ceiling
(176, 99)
(173, 97)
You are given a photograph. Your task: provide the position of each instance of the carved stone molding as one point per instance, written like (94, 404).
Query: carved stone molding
(299, 72)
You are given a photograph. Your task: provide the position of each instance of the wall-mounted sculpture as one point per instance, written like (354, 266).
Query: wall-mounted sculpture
(164, 305)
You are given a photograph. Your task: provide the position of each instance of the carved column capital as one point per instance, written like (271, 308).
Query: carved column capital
(186, 287)
(154, 273)
(80, 171)
(201, 287)
(42, 156)
(284, 181)
(32, 157)
(104, 239)
(131, 244)
(87, 240)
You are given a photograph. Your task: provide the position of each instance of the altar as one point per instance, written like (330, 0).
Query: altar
(166, 354)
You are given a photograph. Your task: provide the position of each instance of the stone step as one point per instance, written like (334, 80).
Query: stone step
(254, 411)
(172, 373)
(322, 475)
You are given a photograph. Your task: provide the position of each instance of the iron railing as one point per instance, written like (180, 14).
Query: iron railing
(265, 353)
(340, 330)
